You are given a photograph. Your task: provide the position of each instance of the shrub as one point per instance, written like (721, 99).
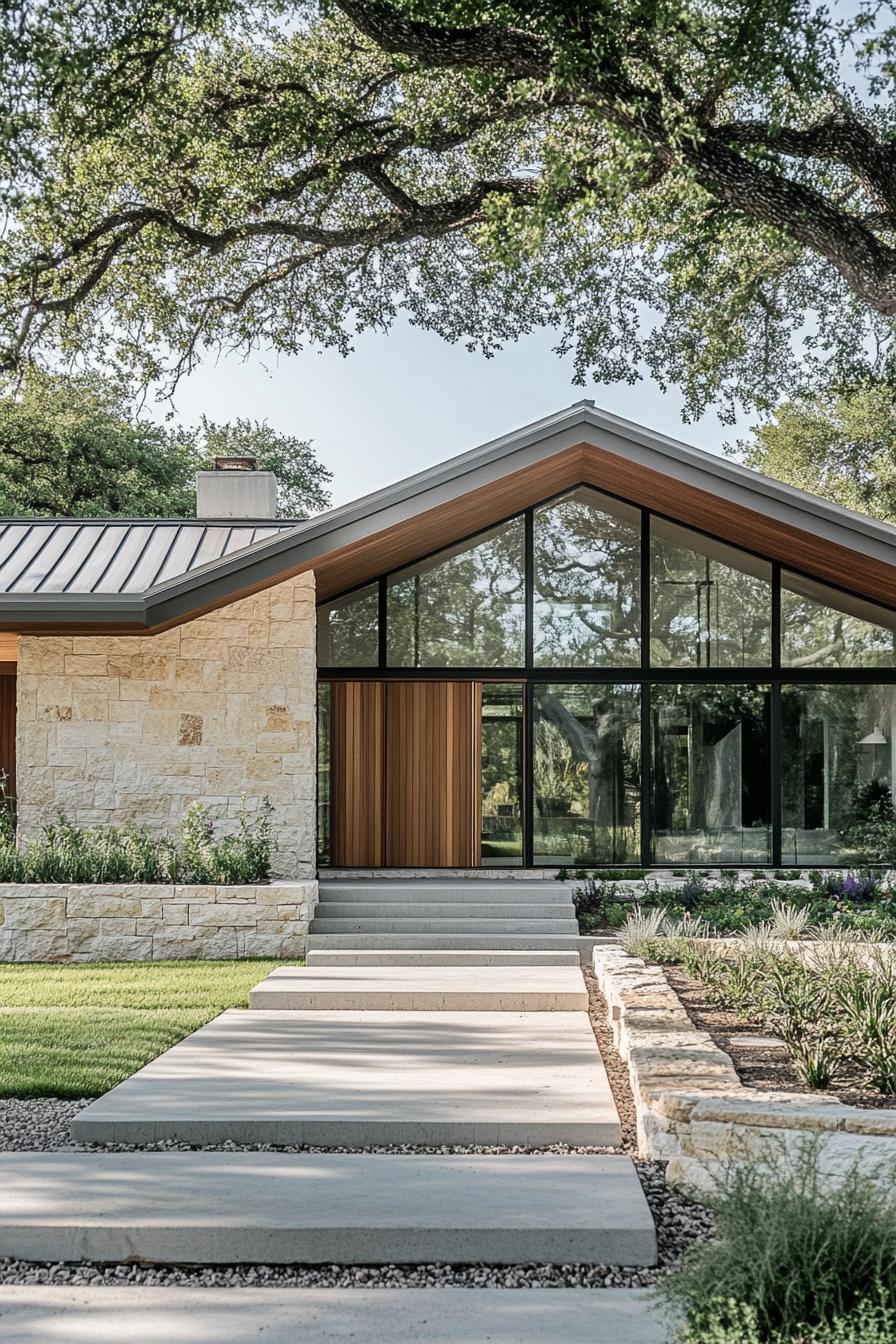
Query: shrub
(640, 930)
(596, 906)
(789, 921)
(857, 886)
(67, 853)
(792, 1256)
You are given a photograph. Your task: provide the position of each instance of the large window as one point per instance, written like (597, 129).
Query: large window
(586, 774)
(348, 629)
(711, 605)
(590, 630)
(837, 772)
(710, 768)
(587, 550)
(822, 627)
(464, 607)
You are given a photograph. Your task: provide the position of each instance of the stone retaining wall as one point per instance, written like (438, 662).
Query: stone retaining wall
(124, 922)
(693, 1111)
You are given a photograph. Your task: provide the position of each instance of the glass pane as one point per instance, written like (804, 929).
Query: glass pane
(464, 607)
(710, 753)
(711, 604)
(587, 774)
(587, 582)
(821, 627)
(837, 772)
(348, 630)
(502, 774)
(323, 772)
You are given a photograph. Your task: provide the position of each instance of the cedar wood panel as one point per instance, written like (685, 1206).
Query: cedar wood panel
(357, 773)
(404, 773)
(432, 774)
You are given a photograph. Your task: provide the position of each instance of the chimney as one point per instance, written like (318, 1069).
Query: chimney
(236, 489)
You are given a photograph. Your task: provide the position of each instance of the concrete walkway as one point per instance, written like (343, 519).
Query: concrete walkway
(329, 1316)
(323, 1208)
(362, 1078)
(476, 989)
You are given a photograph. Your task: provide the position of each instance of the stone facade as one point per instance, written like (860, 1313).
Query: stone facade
(693, 1111)
(115, 728)
(122, 922)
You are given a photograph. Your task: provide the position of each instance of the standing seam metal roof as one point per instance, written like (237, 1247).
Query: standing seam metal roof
(87, 555)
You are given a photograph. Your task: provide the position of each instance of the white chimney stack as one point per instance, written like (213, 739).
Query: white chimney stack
(236, 489)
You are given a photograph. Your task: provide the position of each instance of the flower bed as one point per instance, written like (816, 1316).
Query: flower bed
(66, 853)
(731, 901)
(694, 1112)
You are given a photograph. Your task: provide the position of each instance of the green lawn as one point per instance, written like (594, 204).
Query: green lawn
(76, 1030)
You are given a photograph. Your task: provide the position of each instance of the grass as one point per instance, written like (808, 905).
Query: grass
(76, 1030)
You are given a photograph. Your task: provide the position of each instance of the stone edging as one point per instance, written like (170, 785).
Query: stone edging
(693, 1112)
(153, 922)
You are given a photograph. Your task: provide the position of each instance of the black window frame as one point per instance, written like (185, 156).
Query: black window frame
(774, 674)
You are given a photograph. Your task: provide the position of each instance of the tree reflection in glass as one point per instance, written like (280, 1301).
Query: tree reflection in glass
(586, 774)
(587, 581)
(463, 607)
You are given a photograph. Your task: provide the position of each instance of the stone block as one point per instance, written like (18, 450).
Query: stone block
(259, 944)
(102, 904)
(33, 945)
(86, 664)
(115, 948)
(224, 915)
(217, 943)
(35, 912)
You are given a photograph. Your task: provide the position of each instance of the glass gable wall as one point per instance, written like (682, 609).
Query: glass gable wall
(650, 694)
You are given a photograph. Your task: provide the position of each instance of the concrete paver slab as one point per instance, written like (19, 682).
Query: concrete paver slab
(433, 988)
(57, 1315)
(330, 1208)
(410, 957)
(360, 1078)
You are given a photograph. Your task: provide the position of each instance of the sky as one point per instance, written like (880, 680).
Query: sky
(407, 399)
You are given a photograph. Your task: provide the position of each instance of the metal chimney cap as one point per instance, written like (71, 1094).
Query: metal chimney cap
(236, 463)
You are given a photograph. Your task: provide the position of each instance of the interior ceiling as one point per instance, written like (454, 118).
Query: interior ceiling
(585, 464)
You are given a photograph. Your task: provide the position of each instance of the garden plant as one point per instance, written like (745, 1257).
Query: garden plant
(68, 853)
(795, 1259)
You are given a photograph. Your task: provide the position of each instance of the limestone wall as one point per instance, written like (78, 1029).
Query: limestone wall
(693, 1111)
(114, 729)
(121, 922)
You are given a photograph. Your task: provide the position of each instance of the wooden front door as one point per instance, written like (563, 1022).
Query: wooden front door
(404, 765)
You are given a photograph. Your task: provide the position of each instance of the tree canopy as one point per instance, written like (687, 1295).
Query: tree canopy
(693, 189)
(74, 447)
(841, 445)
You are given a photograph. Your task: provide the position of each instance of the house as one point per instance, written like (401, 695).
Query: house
(582, 644)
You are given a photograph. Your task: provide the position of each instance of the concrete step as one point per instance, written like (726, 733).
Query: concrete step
(31, 1314)
(409, 957)
(345, 1208)
(423, 988)
(475, 941)
(474, 891)
(433, 924)
(358, 1079)
(327, 909)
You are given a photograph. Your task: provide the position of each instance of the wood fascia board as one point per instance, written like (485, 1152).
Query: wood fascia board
(358, 563)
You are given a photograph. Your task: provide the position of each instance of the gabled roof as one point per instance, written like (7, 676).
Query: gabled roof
(199, 568)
